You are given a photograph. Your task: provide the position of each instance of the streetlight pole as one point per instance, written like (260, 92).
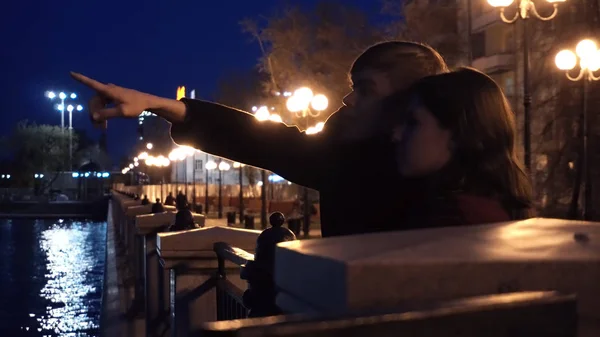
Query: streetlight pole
(263, 199)
(70, 108)
(223, 166)
(587, 185)
(304, 103)
(299, 103)
(587, 55)
(526, 10)
(61, 107)
(206, 187)
(194, 181)
(526, 96)
(240, 168)
(220, 215)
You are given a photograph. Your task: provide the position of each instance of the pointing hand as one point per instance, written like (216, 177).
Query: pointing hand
(125, 103)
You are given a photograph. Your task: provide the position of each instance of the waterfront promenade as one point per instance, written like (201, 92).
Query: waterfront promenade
(119, 292)
(388, 279)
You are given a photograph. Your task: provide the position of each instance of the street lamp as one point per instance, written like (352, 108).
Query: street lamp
(70, 109)
(179, 154)
(263, 114)
(223, 166)
(209, 166)
(160, 162)
(525, 10)
(305, 104)
(240, 168)
(61, 107)
(587, 55)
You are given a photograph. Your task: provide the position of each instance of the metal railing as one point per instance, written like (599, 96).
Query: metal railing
(526, 314)
(230, 303)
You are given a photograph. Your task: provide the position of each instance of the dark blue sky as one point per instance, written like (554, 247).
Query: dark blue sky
(149, 45)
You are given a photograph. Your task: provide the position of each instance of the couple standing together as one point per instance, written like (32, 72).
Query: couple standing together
(414, 145)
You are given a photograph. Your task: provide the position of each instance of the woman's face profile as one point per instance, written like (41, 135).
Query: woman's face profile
(422, 145)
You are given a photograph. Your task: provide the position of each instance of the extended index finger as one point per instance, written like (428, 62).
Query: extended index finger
(92, 83)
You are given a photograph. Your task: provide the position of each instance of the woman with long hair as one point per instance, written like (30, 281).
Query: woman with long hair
(455, 144)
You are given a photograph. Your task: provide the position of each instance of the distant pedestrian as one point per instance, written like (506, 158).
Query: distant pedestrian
(170, 201)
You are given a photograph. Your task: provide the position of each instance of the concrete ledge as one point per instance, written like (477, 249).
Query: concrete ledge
(114, 319)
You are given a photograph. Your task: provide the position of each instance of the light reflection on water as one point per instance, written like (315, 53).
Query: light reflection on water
(51, 276)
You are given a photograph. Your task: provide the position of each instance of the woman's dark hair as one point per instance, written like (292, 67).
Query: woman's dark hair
(473, 107)
(406, 61)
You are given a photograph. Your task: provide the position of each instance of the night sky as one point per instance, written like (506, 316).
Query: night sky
(149, 45)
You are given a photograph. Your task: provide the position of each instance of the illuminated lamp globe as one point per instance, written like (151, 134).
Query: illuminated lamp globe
(594, 64)
(172, 155)
(164, 161)
(275, 118)
(211, 165)
(295, 104)
(591, 62)
(319, 102)
(565, 60)
(262, 114)
(311, 131)
(188, 150)
(304, 94)
(223, 166)
(586, 48)
(500, 3)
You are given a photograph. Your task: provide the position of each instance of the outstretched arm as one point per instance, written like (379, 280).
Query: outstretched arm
(237, 135)
(222, 131)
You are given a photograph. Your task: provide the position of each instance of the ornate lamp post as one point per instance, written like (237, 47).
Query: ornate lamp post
(221, 166)
(587, 56)
(525, 10)
(263, 114)
(305, 104)
(70, 109)
(240, 168)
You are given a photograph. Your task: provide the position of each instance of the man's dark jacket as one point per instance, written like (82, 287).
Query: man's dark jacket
(357, 182)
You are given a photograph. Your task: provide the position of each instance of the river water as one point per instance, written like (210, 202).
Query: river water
(51, 276)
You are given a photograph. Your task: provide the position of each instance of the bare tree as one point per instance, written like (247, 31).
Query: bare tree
(311, 47)
(432, 22)
(557, 114)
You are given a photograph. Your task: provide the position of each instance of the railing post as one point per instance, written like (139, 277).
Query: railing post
(148, 226)
(134, 245)
(189, 258)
